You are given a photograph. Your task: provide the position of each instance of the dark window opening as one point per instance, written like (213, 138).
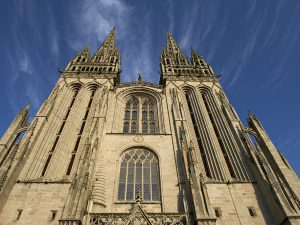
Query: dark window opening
(77, 143)
(53, 214)
(218, 212)
(19, 214)
(82, 127)
(46, 164)
(61, 127)
(70, 164)
(252, 211)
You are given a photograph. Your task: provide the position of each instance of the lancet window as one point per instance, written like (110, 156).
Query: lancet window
(140, 115)
(197, 133)
(79, 136)
(227, 143)
(50, 153)
(139, 174)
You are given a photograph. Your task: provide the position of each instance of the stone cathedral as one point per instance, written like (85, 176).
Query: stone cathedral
(104, 152)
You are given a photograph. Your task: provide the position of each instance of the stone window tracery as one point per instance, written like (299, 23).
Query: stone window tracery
(140, 115)
(139, 173)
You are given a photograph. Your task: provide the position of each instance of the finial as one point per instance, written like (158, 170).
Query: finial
(27, 106)
(138, 198)
(25, 109)
(140, 78)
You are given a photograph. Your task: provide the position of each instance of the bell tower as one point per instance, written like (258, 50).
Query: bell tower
(214, 146)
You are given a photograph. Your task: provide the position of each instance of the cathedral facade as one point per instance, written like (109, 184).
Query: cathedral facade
(104, 152)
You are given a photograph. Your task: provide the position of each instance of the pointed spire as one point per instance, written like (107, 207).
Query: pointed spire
(195, 55)
(197, 59)
(24, 109)
(173, 51)
(108, 53)
(108, 44)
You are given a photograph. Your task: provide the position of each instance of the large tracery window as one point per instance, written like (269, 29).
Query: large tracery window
(140, 115)
(139, 173)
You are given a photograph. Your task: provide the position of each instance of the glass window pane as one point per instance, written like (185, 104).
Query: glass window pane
(130, 181)
(146, 170)
(128, 105)
(144, 128)
(133, 127)
(126, 127)
(155, 181)
(151, 115)
(144, 115)
(122, 183)
(127, 114)
(138, 178)
(134, 115)
(152, 128)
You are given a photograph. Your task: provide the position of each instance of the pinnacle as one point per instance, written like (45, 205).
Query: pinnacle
(170, 40)
(25, 108)
(195, 54)
(172, 46)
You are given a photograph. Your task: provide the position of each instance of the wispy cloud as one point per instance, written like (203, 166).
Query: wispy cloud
(250, 12)
(139, 60)
(171, 15)
(22, 60)
(276, 72)
(94, 19)
(189, 22)
(97, 20)
(246, 51)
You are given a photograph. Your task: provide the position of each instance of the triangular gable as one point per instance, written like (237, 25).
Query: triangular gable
(136, 216)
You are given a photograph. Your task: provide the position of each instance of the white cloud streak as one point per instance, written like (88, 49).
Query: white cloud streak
(94, 19)
(97, 20)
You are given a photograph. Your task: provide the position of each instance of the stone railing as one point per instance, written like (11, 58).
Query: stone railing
(137, 219)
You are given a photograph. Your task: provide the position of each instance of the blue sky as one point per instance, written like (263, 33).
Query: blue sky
(254, 44)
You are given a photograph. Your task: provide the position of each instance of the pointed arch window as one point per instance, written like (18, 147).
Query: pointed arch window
(131, 116)
(140, 115)
(139, 173)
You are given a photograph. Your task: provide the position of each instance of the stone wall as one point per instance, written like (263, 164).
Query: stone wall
(37, 202)
(234, 200)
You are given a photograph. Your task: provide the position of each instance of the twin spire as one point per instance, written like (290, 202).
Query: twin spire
(107, 60)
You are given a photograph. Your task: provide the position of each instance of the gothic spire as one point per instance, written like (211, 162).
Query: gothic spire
(173, 52)
(25, 109)
(107, 49)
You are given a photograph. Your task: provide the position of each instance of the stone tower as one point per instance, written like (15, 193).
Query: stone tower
(103, 152)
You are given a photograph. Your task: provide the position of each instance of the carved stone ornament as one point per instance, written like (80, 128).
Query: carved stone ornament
(138, 138)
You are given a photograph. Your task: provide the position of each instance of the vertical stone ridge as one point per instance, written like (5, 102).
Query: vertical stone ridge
(99, 186)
